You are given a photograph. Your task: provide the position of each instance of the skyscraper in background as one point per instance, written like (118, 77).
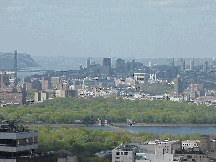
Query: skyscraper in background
(150, 63)
(173, 62)
(178, 86)
(182, 64)
(192, 64)
(15, 67)
(205, 65)
(120, 65)
(88, 62)
(107, 62)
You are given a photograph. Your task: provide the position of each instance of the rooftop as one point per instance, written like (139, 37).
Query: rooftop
(11, 127)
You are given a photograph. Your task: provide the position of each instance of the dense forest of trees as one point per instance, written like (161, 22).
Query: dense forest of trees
(84, 143)
(88, 110)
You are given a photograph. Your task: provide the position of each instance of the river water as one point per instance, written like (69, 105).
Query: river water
(160, 130)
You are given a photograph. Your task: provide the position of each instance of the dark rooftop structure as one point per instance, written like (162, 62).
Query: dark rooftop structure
(18, 144)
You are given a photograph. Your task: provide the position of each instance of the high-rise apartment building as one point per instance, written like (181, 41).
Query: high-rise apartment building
(44, 84)
(54, 82)
(178, 86)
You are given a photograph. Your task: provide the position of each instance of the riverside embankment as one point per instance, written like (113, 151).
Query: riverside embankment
(118, 125)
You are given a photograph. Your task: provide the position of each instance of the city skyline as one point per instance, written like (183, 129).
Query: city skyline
(125, 29)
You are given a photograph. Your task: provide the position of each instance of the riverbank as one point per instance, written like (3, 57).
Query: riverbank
(116, 125)
(154, 128)
(166, 125)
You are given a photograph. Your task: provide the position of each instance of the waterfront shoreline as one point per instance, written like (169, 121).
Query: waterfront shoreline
(125, 124)
(165, 125)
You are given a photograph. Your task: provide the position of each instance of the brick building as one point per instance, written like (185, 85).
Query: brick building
(13, 97)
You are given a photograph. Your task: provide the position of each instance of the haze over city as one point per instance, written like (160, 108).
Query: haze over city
(107, 80)
(123, 28)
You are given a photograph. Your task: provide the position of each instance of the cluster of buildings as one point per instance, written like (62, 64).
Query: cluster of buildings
(167, 151)
(11, 93)
(192, 82)
(13, 89)
(50, 87)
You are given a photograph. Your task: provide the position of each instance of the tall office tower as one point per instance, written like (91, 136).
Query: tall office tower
(173, 62)
(120, 65)
(205, 65)
(15, 67)
(182, 64)
(107, 62)
(88, 62)
(192, 64)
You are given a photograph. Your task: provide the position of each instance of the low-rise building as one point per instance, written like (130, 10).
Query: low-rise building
(141, 77)
(194, 157)
(64, 93)
(190, 144)
(157, 151)
(68, 159)
(124, 153)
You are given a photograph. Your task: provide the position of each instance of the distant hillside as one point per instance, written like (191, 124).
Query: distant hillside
(24, 61)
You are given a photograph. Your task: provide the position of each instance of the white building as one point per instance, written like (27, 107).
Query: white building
(189, 144)
(124, 153)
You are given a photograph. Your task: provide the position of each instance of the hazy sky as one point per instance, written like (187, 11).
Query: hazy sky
(109, 28)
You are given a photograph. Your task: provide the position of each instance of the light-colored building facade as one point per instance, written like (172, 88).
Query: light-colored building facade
(124, 153)
(68, 159)
(44, 85)
(54, 82)
(189, 144)
(40, 96)
(65, 93)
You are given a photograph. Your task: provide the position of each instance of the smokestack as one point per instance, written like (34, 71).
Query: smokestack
(15, 67)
